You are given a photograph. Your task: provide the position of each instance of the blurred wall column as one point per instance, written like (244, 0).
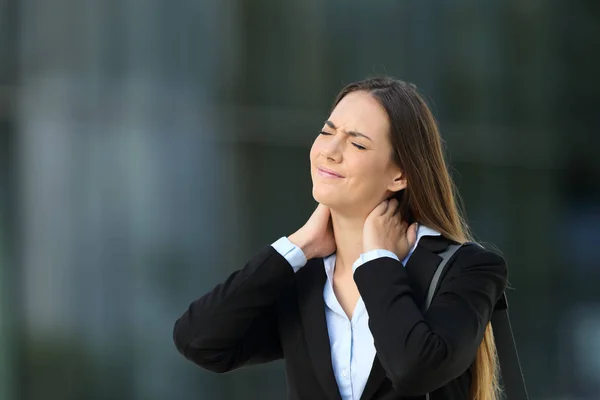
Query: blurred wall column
(183, 195)
(8, 233)
(122, 187)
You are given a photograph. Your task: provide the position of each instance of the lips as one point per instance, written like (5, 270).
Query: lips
(329, 172)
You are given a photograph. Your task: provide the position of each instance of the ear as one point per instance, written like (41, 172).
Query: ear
(398, 183)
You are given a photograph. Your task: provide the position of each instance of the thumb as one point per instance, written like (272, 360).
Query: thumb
(411, 234)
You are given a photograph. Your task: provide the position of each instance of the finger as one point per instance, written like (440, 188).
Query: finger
(392, 207)
(397, 208)
(411, 234)
(382, 207)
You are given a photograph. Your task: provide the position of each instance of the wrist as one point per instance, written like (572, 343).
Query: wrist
(373, 246)
(380, 248)
(303, 243)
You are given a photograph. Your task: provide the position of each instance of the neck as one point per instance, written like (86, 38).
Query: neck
(348, 232)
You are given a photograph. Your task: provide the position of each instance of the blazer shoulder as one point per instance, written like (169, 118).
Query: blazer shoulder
(472, 258)
(474, 269)
(476, 253)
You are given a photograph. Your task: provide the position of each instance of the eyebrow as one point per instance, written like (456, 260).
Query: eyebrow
(351, 133)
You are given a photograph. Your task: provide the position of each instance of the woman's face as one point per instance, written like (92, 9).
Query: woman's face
(351, 164)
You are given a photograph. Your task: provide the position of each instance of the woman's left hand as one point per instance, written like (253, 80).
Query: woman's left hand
(384, 229)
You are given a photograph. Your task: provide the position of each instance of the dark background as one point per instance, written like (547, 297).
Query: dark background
(147, 148)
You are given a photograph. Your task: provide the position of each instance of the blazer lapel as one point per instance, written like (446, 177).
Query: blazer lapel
(422, 264)
(310, 283)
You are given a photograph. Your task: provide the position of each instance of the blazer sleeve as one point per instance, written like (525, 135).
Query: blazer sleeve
(235, 324)
(422, 352)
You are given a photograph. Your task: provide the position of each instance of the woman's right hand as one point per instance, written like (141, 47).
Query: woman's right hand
(316, 238)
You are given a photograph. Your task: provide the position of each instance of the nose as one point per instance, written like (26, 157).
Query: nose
(332, 151)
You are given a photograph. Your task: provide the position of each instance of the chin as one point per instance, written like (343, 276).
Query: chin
(340, 202)
(323, 196)
(329, 197)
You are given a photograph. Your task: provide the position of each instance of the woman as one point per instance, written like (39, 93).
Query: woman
(340, 299)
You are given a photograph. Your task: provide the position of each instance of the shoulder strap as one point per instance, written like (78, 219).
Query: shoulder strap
(510, 368)
(435, 280)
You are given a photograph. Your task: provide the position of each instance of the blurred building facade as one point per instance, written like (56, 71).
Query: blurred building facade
(147, 148)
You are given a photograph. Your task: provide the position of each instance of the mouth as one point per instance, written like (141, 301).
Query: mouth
(328, 173)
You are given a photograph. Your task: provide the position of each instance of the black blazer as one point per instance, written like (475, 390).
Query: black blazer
(265, 312)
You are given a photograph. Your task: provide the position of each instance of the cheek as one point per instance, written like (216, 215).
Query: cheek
(365, 167)
(315, 150)
(369, 174)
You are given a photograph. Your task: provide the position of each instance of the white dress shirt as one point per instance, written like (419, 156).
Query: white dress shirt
(351, 341)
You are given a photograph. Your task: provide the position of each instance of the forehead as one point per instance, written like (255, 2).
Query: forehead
(360, 111)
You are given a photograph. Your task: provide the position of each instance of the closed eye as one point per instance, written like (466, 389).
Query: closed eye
(358, 146)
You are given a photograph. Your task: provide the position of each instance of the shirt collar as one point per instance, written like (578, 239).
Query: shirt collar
(422, 230)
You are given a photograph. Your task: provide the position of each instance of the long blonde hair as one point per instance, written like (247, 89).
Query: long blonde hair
(431, 197)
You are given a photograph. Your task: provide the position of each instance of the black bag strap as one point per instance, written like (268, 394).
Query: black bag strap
(510, 367)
